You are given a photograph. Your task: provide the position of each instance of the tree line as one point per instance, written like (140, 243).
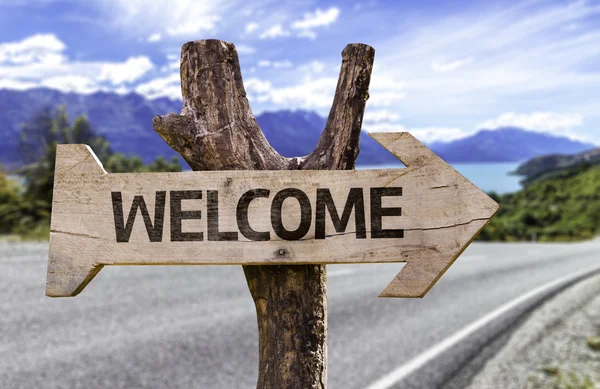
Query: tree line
(25, 202)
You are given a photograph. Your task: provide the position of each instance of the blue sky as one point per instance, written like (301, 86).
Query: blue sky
(443, 69)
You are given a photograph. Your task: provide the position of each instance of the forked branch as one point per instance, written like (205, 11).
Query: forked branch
(216, 130)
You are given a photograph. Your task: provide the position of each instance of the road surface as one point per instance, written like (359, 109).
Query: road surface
(195, 326)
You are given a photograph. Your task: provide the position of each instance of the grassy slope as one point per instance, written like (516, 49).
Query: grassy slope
(565, 207)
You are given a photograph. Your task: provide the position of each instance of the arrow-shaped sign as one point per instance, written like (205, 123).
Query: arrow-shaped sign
(425, 215)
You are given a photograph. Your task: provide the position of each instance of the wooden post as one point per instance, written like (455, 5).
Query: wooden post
(216, 130)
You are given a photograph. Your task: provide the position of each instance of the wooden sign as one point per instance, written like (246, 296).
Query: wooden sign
(425, 215)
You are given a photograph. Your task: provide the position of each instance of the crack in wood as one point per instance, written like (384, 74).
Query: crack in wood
(449, 226)
(61, 174)
(76, 234)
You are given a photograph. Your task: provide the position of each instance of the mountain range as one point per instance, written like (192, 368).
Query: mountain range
(506, 144)
(125, 120)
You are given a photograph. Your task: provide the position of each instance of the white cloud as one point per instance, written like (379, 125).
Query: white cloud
(169, 86)
(17, 84)
(386, 89)
(39, 61)
(193, 27)
(282, 64)
(243, 49)
(383, 127)
(446, 66)
(40, 48)
(274, 32)
(251, 27)
(173, 63)
(385, 97)
(438, 134)
(275, 64)
(424, 134)
(380, 116)
(317, 19)
(130, 70)
(537, 121)
(71, 83)
(122, 90)
(156, 37)
(313, 66)
(311, 93)
(182, 18)
(312, 20)
(257, 86)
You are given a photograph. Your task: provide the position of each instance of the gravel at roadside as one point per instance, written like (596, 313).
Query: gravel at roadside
(556, 347)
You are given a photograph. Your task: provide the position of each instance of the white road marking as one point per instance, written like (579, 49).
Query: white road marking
(403, 371)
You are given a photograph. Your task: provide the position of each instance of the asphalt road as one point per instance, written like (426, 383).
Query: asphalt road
(195, 326)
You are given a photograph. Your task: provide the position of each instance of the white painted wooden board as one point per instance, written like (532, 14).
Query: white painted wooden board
(438, 211)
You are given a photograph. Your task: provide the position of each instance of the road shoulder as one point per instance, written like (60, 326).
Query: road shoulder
(551, 348)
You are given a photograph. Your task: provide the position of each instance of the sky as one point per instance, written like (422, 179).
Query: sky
(443, 69)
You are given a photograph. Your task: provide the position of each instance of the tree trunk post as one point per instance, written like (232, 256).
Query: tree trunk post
(216, 130)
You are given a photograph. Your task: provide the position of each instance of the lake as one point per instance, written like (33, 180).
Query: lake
(487, 176)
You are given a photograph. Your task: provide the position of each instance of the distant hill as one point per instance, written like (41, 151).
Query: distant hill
(506, 144)
(555, 165)
(126, 121)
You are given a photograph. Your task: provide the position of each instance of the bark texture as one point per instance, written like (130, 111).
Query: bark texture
(216, 130)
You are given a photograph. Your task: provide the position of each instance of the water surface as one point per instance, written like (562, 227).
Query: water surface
(487, 176)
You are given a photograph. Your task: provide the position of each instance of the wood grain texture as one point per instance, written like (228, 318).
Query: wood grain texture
(441, 213)
(216, 129)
